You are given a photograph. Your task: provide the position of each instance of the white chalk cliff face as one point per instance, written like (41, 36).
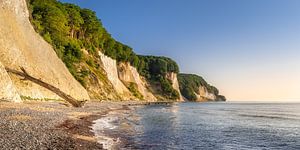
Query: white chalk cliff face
(7, 89)
(129, 74)
(204, 95)
(173, 78)
(21, 46)
(110, 67)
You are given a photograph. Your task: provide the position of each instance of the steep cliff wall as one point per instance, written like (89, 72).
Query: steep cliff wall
(204, 95)
(129, 75)
(7, 89)
(110, 67)
(173, 78)
(21, 46)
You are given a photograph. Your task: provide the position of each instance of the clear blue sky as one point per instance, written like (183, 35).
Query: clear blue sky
(249, 49)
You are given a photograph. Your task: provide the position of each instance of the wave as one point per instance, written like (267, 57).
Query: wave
(102, 124)
(267, 116)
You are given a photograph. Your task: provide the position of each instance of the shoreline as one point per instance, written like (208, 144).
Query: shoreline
(83, 128)
(52, 125)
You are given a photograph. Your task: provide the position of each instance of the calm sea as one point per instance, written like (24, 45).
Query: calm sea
(212, 126)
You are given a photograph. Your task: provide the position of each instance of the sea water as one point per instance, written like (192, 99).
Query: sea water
(213, 126)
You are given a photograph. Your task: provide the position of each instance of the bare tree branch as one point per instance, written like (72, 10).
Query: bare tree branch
(52, 88)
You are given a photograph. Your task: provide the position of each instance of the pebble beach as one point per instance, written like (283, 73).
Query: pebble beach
(52, 125)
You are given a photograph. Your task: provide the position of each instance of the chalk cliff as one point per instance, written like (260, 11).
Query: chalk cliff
(173, 78)
(21, 46)
(129, 75)
(7, 89)
(110, 67)
(195, 88)
(101, 77)
(204, 95)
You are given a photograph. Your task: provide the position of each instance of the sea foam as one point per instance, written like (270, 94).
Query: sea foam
(103, 124)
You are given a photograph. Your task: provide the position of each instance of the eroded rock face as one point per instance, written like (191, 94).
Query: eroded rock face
(7, 89)
(204, 95)
(21, 46)
(173, 78)
(110, 67)
(129, 74)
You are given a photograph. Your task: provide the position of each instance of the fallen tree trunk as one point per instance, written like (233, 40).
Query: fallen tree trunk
(52, 88)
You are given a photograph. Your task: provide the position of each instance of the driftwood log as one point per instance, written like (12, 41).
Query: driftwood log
(52, 88)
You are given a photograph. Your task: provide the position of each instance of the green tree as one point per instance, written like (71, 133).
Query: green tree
(74, 19)
(69, 29)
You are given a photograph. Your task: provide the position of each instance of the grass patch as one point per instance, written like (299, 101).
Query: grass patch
(39, 99)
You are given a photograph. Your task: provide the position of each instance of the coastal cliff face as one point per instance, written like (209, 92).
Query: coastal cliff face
(110, 67)
(21, 46)
(7, 89)
(204, 95)
(130, 77)
(195, 88)
(84, 62)
(173, 78)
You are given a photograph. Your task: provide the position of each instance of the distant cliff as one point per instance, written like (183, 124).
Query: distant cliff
(195, 88)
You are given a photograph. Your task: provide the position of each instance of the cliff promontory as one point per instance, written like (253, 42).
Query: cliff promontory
(195, 88)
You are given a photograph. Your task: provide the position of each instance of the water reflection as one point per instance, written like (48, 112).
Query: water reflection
(218, 126)
(158, 124)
